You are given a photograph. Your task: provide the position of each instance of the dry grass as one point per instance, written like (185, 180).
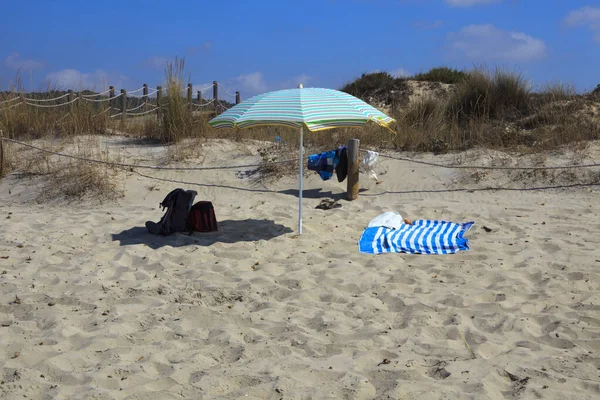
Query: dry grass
(494, 110)
(63, 178)
(177, 118)
(29, 122)
(79, 180)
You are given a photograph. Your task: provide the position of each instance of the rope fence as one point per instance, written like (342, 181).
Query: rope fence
(95, 94)
(118, 102)
(52, 105)
(153, 167)
(485, 167)
(54, 99)
(10, 100)
(142, 113)
(251, 165)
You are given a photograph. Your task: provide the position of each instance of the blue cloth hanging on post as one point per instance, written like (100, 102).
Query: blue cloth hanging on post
(323, 163)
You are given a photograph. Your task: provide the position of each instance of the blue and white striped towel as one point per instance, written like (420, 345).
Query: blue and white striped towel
(422, 237)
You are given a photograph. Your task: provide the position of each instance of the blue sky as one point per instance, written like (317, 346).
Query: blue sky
(262, 45)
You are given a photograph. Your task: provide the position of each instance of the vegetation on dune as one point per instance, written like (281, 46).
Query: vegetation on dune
(495, 109)
(442, 74)
(440, 110)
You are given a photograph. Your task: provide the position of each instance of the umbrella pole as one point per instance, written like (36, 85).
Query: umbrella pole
(301, 165)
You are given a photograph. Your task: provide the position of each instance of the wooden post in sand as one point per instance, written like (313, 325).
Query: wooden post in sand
(145, 93)
(111, 94)
(123, 104)
(199, 98)
(352, 191)
(189, 96)
(216, 96)
(237, 98)
(70, 100)
(158, 101)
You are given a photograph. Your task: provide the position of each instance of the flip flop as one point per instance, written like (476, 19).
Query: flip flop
(328, 204)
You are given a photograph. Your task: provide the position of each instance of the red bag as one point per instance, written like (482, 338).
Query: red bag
(202, 218)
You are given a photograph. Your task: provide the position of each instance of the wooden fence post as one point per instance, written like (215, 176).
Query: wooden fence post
(111, 94)
(158, 101)
(190, 96)
(199, 98)
(352, 191)
(70, 99)
(145, 92)
(123, 104)
(237, 98)
(216, 96)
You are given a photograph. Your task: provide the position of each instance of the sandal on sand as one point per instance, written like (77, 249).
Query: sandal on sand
(328, 204)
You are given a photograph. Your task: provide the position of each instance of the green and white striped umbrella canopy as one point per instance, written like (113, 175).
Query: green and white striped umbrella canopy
(316, 108)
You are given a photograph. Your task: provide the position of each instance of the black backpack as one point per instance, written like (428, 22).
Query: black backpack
(177, 203)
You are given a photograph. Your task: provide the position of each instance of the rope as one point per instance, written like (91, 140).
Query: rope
(53, 105)
(9, 100)
(486, 167)
(95, 94)
(155, 167)
(135, 91)
(56, 98)
(222, 105)
(62, 118)
(13, 106)
(137, 96)
(138, 107)
(142, 113)
(101, 100)
(101, 112)
(226, 92)
(116, 115)
(205, 88)
(199, 105)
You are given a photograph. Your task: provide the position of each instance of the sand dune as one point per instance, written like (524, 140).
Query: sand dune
(92, 306)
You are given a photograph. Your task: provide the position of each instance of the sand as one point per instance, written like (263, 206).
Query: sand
(92, 306)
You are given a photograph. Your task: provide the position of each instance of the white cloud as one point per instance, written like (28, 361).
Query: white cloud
(14, 61)
(253, 82)
(74, 79)
(205, 46)
(586, 16)
(488, 43)
(157, 62)
(469, 3)
(399, 73)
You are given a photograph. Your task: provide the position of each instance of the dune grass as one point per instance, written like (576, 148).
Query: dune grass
(493, 109)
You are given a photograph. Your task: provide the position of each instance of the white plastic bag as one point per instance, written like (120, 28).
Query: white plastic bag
(368, 163)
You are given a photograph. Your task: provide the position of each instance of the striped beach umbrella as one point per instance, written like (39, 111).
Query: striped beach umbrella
(316, 109)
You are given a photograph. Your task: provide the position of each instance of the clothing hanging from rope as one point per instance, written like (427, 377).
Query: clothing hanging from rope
(328, 162)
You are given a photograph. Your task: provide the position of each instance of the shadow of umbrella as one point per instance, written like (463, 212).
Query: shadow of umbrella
(318, 194)
(230, 231)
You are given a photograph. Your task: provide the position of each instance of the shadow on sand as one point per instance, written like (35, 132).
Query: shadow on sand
(230, 231)
(317, 193)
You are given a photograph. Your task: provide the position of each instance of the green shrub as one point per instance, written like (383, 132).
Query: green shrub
(376, 81)
(484, 95)
(443, 75)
